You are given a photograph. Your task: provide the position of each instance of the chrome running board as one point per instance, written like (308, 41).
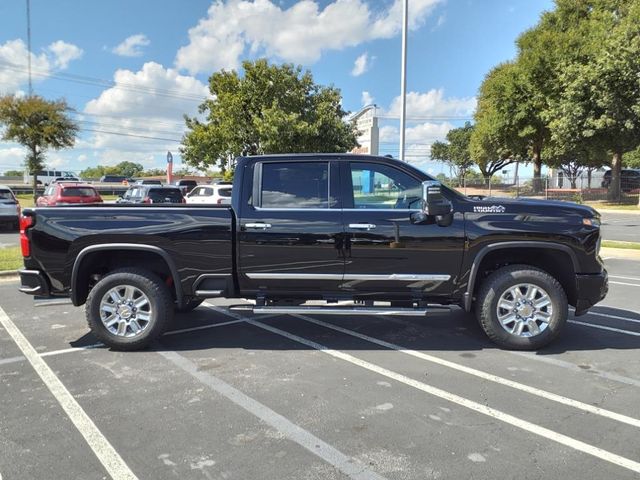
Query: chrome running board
(315, 310)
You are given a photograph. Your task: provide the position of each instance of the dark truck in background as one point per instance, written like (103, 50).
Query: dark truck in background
(370, 230)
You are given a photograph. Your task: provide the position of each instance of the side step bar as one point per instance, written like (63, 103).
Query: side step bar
(406, 312)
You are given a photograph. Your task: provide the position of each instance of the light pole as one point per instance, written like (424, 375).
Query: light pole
(29, 45)
(403, 76)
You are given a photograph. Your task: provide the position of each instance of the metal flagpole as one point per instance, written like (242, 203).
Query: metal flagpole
(403, 76)
(29, 45)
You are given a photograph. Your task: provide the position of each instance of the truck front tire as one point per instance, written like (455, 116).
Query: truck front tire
(129, 308)
(521, 307)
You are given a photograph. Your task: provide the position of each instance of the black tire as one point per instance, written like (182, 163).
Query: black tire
(497, 284)
(189, 305)
(160, 303)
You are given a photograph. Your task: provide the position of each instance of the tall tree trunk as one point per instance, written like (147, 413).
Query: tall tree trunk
(537, 169)
(589, 172)
(616, 169)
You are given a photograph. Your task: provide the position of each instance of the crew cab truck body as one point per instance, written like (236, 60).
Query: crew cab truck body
(321, 227)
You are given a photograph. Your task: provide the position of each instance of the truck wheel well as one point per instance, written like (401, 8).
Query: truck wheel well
(556, 263)
(96, 265)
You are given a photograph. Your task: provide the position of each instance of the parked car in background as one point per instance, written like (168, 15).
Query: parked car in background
(113, 179)
(629, 179)
(219, 194)
(9, 207)
(186, 185)
(152, 194)
(147, 182)
(70, 193)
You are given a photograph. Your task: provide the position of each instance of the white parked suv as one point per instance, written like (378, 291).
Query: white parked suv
(9, 207)
(218, 193)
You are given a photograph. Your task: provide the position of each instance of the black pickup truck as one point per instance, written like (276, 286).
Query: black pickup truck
(336, 228)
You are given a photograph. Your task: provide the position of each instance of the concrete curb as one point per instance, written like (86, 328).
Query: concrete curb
(626, 253)
(8, 274)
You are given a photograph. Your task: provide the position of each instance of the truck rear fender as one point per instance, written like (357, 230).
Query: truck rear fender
(91, 260)
(557, 259)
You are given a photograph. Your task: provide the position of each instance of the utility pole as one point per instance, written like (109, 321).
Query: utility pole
(403, 76)
(29, 45)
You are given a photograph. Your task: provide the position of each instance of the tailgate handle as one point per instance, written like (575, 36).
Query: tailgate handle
(362, 226)
(257, 226)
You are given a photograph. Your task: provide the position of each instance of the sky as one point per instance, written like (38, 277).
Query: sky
(131, 69)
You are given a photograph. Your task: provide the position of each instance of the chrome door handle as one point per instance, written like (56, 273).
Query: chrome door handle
(257, 226)
(362, 226)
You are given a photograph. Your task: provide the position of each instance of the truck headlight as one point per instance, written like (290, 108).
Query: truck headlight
(592, 222)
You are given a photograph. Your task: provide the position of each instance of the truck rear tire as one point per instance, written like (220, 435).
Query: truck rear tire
(521, 307)
(129, 308)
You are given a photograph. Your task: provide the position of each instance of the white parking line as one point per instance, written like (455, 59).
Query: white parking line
(462, 401)
(104, 451)
(201, 327)
(72, 349)
(624, 283)
(615, 317)
(603, 327)
(624, 278)
(451, 397)
(347, 465)
(481, 374)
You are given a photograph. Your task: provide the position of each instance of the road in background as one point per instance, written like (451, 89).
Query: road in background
(8, 237)
(620, 226)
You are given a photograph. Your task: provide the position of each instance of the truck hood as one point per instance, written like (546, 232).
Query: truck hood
(530, 205)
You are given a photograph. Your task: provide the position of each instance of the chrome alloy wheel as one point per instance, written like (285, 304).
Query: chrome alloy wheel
(125, 311)
(524, 310)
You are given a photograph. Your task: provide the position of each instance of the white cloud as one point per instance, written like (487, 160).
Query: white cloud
(132, 46)
(300, 33)
(421, 134)
(13, 60)
(367, 99)
(150, 102)
(12, 158)
(362, 64)
(64, 53)
(434, 104)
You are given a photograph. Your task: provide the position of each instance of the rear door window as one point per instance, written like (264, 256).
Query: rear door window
(295, 185)
(172, 195)
(224, 192)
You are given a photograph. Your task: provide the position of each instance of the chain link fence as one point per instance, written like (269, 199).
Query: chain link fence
(593, 187)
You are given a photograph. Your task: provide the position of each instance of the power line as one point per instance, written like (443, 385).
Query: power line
(122, 134)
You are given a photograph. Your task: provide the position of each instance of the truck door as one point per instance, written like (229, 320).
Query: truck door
(291, 229)
(385, 251)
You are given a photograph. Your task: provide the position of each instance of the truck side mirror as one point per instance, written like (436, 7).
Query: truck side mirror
(434, 203)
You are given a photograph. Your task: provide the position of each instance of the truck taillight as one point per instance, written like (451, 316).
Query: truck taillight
(26, 222)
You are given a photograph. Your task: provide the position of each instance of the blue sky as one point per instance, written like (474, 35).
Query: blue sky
(131, 69)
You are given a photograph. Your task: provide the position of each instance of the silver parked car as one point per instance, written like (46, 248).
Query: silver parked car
(9, 207)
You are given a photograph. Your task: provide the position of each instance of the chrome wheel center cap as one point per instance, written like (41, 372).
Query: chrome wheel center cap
(124, 312)
(526, 311)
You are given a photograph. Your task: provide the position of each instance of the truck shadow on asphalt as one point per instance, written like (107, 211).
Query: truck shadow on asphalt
(439, 331)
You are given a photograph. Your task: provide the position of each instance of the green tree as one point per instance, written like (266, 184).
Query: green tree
(38, 125)
(600, 102)
(630, 160)
(455, 152)
(13, 173)
(153, 172)
(269, 109)
(129, 169)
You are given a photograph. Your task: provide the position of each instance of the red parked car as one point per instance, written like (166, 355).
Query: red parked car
(68, 194)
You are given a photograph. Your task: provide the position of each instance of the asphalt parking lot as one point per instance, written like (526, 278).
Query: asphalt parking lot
(225, 395)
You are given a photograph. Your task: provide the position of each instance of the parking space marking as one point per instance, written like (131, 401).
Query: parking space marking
(604, 327)
(201, 327)
(615, 317)
(72, 349)
(481, 374)
(6, 361)
(104, 451)
(462, 401)
(624, 278)
(347, 465)
(451, 397)
(572, 366)
(623, 283)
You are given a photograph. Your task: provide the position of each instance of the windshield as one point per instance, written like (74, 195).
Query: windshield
(6, 195)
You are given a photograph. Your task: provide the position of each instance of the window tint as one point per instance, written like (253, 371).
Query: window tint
(224, 192)
(203, 192)
(78, 192)
(168, 194)
(383, 187)
(6, 195)
(295, 185)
